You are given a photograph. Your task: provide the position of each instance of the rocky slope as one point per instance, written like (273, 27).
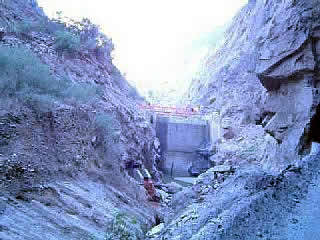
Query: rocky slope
(261, 90)
(63, 150)
(250, 204)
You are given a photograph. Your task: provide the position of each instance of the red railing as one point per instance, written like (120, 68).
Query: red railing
(182, 111)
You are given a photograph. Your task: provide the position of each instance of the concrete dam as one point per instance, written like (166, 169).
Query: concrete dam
(183, 144)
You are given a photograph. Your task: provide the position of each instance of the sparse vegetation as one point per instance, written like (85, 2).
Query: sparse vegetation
(24, 76)
(66, 42)
(42, 25)
(110, 127)
(80, 36)
(70, 36)
(109, 138)
(90, 35)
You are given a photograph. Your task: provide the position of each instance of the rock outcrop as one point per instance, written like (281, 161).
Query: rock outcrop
(261, 89)
(263, 82)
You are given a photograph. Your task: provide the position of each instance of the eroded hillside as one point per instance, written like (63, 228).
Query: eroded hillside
(69, 122)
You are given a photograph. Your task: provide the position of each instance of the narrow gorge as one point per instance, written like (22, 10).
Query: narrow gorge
(84, 156)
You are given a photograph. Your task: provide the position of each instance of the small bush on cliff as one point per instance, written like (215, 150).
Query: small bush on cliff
(22, 72)
(109, 139)
(24, 76)
(26, 27)
(67, 42)
(44, 25)
(70, 36)
(110, 127)
(124, 227)
(85, 35)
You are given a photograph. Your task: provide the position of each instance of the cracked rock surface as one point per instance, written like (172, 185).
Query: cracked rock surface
(261, 90)
(262, 85)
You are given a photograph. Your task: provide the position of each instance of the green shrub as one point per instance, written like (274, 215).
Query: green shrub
(27, 27)
(43, 25)
(83, 92)
(109, 125)
(89, 37)
(124, 227)
(24, 27)
(70, 35)
(67, 42)
(24, 76)
(22, 72)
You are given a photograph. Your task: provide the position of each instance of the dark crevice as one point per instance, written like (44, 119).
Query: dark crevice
(272, 83)
(315, 127)
(316, 78)
(279, 141)
(265, 118)
(312, 130)
(311, 134)
(304, 146)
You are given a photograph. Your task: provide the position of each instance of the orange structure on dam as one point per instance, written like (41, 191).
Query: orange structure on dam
(175, 111)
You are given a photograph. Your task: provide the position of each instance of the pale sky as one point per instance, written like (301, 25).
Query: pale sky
(151, 37)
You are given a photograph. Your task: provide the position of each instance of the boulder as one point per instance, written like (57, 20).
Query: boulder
(173, 187)
(222, 169)
(206, 178)
(155, 231)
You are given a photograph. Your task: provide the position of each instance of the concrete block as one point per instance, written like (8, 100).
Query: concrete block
(179, 140)
(178, 163)
(186, 137)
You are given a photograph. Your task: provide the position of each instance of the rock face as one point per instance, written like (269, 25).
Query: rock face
(59, 170)
(262, 89)
(263, 83)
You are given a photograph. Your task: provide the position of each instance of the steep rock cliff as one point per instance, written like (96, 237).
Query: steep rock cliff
(262, 88)
(262, 83)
